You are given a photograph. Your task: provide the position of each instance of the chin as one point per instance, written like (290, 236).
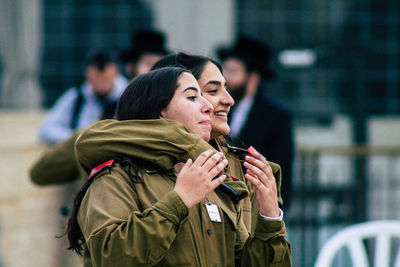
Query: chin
(220, 131)
(205, 137)
(223, 130)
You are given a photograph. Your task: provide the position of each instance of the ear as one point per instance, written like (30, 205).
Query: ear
(254, 78)
(162, 114)
(130, 68)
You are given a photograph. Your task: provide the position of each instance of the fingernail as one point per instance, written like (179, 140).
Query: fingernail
(252, 151)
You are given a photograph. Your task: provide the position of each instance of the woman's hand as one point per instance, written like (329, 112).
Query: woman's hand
(260, 174)
(196, 179)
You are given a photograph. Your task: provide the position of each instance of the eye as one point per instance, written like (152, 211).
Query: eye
(192, 98)
(212, 91)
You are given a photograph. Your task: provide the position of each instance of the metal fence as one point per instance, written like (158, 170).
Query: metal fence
(338, 186)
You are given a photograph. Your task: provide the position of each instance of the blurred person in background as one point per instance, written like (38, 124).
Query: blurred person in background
(83, 105)
(255, 119)
(147, 47)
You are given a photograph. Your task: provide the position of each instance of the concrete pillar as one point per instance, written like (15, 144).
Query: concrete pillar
(20, 37)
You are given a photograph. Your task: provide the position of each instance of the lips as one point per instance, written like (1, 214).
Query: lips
(221, 113)
(206, 122)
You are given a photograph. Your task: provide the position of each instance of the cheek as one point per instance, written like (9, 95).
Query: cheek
(142, 70)
(219, 126)
(188, 120)
(185, 114)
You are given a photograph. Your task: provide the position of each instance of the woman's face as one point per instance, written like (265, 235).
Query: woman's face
(189, 107)
(213, 87)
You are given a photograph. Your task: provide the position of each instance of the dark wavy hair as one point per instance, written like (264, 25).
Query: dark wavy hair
(148, 94)
(144, 98)
(194, 63)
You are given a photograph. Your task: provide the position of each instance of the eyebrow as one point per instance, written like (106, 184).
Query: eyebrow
(190, 88)
(215, 83)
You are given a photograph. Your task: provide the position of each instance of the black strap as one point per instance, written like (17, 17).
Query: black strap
(80, 99)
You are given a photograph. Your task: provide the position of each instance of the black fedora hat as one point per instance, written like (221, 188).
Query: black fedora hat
(254, 53)
(144, 41)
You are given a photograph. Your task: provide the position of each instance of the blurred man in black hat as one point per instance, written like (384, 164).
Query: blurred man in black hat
(147, 47)
(256, 120)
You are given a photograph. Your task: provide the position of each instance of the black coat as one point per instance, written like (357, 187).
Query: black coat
(269, 130)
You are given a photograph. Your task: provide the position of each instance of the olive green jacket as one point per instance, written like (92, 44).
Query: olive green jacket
(147, 224)
(235, 157)
(58, 164)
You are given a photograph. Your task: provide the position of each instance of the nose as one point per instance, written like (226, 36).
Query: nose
(206, 106)
(227, 99)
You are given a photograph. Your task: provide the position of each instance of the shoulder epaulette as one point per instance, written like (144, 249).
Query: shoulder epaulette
(237, 190)
(103, 166)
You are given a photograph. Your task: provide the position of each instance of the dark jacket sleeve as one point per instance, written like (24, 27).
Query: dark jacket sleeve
(57, 165)
(284, 154)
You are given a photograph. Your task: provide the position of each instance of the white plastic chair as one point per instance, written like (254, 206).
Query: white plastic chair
(352, 237)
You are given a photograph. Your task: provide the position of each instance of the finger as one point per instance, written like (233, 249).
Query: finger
(253, 180)
(212, 161)
(202, 158)
(262, 179)
(186, 166)
(267, 183)
(264, 166)
(218, 168)
(251, 173)
(255, 170)
(260, 163)
(216, 182)
(265, 178)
